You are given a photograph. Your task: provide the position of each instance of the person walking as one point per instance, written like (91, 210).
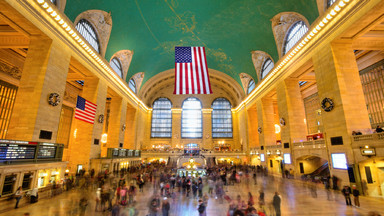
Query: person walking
(277, 203)
(83, 205)
(165, 207)
(201, 208)
(254, 177)
(18, 196)
(356, 194)
(347, 194)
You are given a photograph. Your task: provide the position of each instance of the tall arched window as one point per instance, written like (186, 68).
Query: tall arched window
(132, 85)
(221, 118)
(251, 86)
(191, 119)
(116, 66)
(330, 3)
(161, 119)
(88, 32)
(54, 2)
(295, 33)
(267, 67)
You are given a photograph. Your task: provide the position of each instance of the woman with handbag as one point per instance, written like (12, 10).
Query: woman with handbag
(18, 196)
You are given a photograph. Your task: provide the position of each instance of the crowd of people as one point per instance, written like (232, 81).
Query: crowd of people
(116, 193)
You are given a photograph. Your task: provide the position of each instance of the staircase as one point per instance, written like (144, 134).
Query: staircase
(321, 171)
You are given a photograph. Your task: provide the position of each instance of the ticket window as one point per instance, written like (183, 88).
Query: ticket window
(41, 180)
(9, 184)
(53, 177)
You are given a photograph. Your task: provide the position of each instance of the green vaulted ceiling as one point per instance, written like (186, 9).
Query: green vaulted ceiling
(229, 29)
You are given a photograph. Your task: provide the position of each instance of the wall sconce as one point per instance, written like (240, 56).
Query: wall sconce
(278, 152)
(268, 153)
(104, 138)
(277, 129)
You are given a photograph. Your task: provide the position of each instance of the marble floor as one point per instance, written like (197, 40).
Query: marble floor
(297, 199)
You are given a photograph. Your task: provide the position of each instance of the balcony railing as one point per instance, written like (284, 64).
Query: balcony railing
(313, 144)
(372, 140)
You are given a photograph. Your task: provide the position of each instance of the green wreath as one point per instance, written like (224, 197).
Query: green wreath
(54, 99)
(327, 104)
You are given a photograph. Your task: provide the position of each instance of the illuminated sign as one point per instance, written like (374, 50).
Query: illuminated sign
(339, 161)
(368, 152)
(287, 158)
(262, 157)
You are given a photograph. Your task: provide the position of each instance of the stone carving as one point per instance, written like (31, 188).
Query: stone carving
(281, 24)
(15, 72)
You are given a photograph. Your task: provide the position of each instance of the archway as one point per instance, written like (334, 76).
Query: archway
(311, 166)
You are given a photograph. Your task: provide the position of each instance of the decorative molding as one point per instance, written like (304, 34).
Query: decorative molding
(15, 72)
(125, 57)
(138, 78)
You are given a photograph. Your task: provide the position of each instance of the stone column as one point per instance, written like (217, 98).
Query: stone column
(118, 108)
(337, 78)
(45, 71)
(130, 131)
(207, 129)
(291, 109)
(81, 148)
(253, 135)
(265, 117)
(176, 128)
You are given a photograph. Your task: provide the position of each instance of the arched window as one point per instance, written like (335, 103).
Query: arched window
(251, 86)
(295, 33)
(221, 118)
(88, 32)
(54, 2)
(132, 85)
(267, 67)
(116, 66)
(191, 119)
(330, 3)
(161, 119)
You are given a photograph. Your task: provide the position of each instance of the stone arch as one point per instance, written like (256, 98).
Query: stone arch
(162, 85)
(281, 24)
(245, 78)
(258, 59)
(125, 57)
(102, 23)
(138, 79)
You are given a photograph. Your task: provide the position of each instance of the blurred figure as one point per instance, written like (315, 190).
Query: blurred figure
(201, 208)
(83, 206)
(165, 207)
(34, 195)
(347, 195)
(277, 203)
(261, 198)
(356, 194)
(18, 196)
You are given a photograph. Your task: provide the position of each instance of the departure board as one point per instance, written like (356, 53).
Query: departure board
(46, 151)
(16, 152)
(122, 153)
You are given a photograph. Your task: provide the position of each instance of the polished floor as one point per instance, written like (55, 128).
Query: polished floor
(297, 199)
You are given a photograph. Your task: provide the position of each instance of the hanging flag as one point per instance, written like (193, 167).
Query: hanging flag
(191, 71)
(85, 110)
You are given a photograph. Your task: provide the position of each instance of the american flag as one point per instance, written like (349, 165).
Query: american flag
(191, 71)
(85, 110)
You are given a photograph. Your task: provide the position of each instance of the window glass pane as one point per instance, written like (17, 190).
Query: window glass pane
(9, 183)
(116, 66)
(191, 119)
(27, 179)
(251, 86)
(267, 67)
(221, 118)
(54, 2)
(161, 119)
(89, 33)
(297, 31)
(330, 2)
(132, 85)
